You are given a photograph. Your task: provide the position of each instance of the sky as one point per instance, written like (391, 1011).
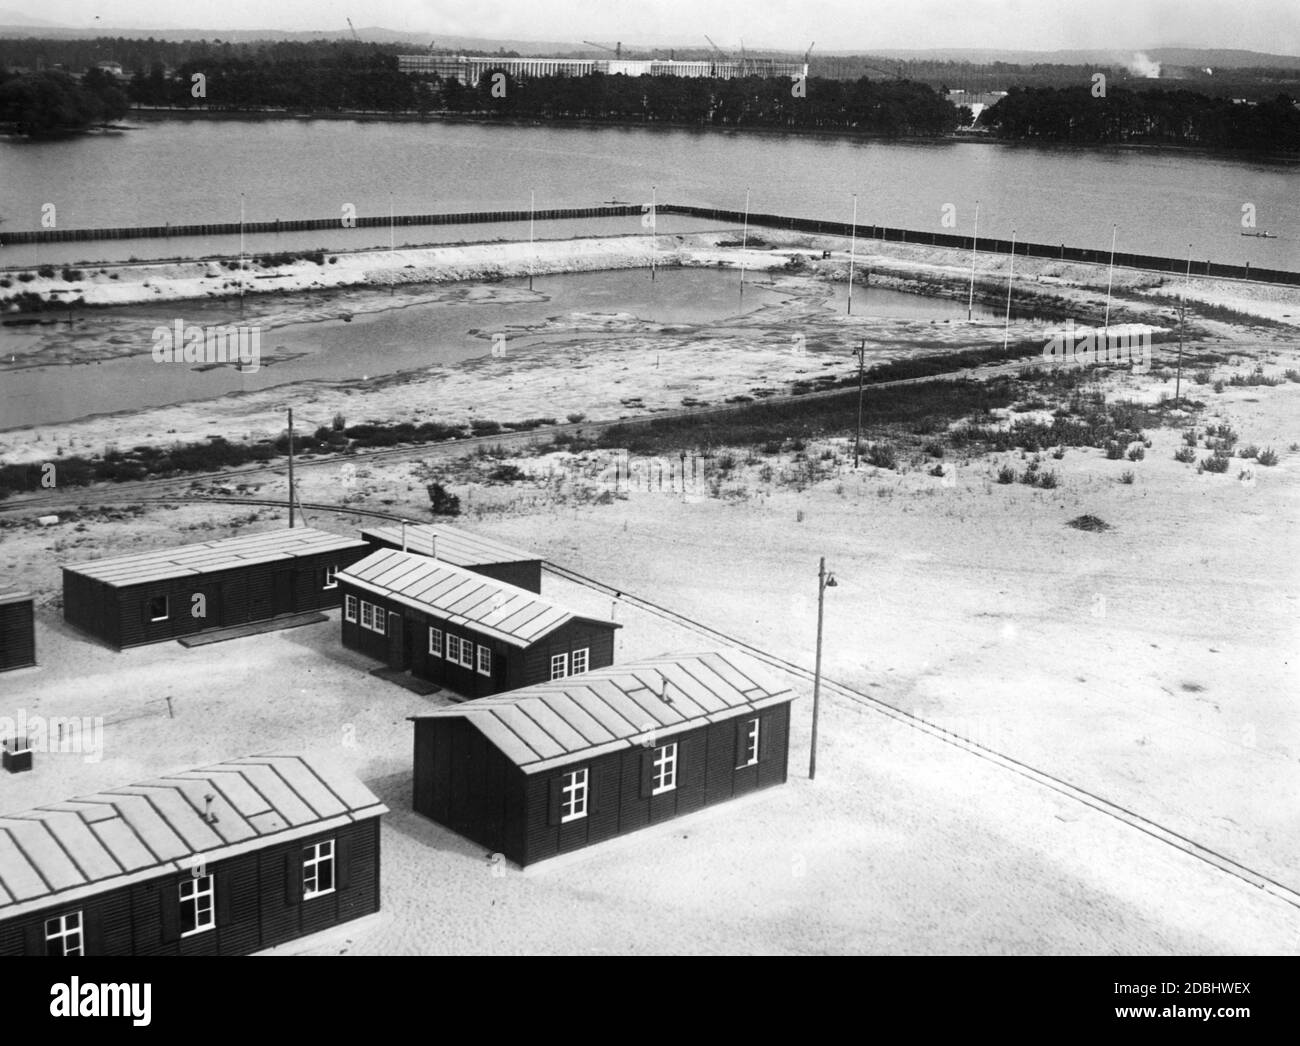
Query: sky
(1262, 25)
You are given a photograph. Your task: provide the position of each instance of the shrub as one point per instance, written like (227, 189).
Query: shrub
(484, 427)
(1006, 474)
(1185, 454)
(935, 450)
(883, 456)
(1137, 453)
(1047, 481)
(47, 271)
(1248, 451)
(507, 474)
(340, 423)
(1292, 375)
(1190, 437)
(1201, 377)
(25, 277)
(937, 470)
(1218, 386)
(442, 502)
(72, 275)
(1126, 476)
(575, 417)
(1088, 522)
(1267, 457)
(1114, 450)
(1215, 463)
(772, 446)
(1058, 453)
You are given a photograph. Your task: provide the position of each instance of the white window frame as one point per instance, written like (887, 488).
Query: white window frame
(665, 769)
(201, 889)
(67, 929)
(167, 608)
(367, 613)
(380, 618)
(585, 655)
(466, 654)
(563, 666)
(484, 661)
(350, 608)
(573, 796)
(322, 855)
(751, 743)
(452, 648)
(331, 580)
(435, 641)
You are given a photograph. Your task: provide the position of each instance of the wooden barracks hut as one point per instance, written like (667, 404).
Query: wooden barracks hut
(462, 630)
(460, 548)
(17, 630)
(152, 596)
(226, 860)
(558, 766)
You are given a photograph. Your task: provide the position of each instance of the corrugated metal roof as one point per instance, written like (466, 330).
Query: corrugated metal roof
(461, 597)
(12, 595)
(210, 556)
(571, 720)
(457, 547)
(62, 852)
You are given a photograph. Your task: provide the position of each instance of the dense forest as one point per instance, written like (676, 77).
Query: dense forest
(1166, 117)
(55, 103)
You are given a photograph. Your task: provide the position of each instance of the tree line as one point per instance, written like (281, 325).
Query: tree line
(1181, 117)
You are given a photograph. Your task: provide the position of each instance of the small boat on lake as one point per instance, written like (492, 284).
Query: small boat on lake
(1261, 235)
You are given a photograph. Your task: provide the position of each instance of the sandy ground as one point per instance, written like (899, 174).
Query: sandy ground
(1154, 664)
(585, 363)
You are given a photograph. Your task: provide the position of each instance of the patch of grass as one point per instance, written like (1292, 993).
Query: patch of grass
(1006, 474)
(1267, 457)
(1137, 453)
(1215, 463)
(1127, 476)
(1089, 523)
(883, 456)
(1185, 454)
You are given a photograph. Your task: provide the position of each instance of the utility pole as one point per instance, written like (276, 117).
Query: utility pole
(1182, 319)
(291, 492)
(241, 254)
(532, 210)
(860, 352)
(824, 581)
(654, 230)
(970, 304)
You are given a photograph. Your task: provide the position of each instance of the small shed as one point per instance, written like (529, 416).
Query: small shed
(558, 766)
(17, 630)
(226, 860)
(460, 548)
(169, 593)
(462, 630)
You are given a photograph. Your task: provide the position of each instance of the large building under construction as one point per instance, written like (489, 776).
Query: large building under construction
(469, 70)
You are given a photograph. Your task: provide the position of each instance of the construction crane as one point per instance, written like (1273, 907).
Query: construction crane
(354, 31)
(616, 50)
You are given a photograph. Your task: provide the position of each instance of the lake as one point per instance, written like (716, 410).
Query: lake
(193, 171)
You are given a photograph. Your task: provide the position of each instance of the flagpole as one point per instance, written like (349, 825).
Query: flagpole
(1110, 278)
(1006, 332)
(744, 244)
(853, 249)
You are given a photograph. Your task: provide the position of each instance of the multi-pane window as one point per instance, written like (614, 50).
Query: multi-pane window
(63, 935)
(664, 777)
(197, 908)
(466, 653)
(158, 608)
(749, 744)
(318, 869)
(435, 642)
(580, 659)
(381, 616)
(367, 614)
(349, 608)
(573, 796)
(559, 666)
(484, 661)
(453, 647)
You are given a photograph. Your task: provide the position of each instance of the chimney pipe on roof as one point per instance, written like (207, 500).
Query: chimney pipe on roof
(403, 535)
(208, 815)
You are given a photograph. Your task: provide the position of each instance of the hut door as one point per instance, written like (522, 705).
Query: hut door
(396, 642)
(282, 592)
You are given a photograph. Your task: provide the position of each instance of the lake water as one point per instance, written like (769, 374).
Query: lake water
(433, 325)
(193, 171)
